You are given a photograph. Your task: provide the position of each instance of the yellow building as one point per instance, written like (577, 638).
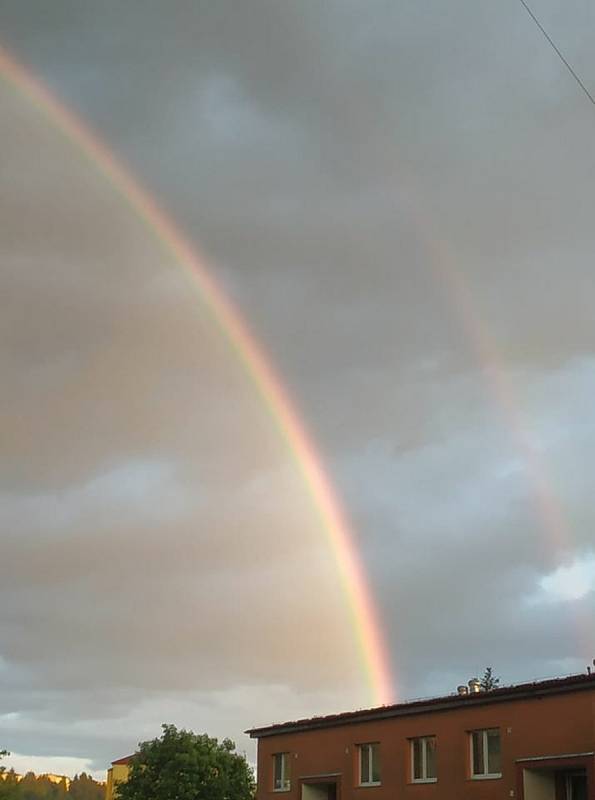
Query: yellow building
(56, 778)
(117, 773)
(49, 775)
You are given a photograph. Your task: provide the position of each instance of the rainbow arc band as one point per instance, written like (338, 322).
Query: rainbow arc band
(363, 615)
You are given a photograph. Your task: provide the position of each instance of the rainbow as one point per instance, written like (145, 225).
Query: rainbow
(548, 508)
(364, 617)
(547, 504)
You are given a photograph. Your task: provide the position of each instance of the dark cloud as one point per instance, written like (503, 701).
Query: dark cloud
(399, 197)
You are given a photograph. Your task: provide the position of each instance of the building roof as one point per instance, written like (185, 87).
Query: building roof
(124, 760)
(534, 689)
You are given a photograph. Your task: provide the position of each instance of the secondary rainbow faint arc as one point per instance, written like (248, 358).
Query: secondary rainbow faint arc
(362, 611)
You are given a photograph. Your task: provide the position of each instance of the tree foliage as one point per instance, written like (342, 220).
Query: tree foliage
(83, 787)
(7, 780)
(489, 681)
(182, 765)
(40, 787)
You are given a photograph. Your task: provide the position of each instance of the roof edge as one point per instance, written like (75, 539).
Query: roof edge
(123, 760)
(572, 683)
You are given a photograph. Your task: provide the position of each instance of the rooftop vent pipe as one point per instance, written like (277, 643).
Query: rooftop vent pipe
(462, 690)
(474, 686)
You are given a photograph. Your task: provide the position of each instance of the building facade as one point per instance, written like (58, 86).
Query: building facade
(117, 773)
(15, 776)
(533, 741)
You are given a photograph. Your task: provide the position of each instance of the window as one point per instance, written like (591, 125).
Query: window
(369, 764)
(576, 785)
(423, 760)
(281, 781)
(485, 754)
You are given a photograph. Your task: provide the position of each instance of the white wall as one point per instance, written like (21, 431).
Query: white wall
(539, 784)
(316, 791)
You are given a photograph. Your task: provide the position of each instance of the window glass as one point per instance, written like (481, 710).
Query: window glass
(423, 752)
(493, 747)
(280, 771)
(417, 760)
(576, 786)
(375, 756)
(369, 755)
(430, 757)
(478, 764)
(485, 753)
(365, 765)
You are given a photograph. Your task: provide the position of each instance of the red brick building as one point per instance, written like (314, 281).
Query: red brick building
(534, 741)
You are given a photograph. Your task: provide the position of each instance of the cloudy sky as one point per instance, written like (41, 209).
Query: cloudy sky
(399, 196)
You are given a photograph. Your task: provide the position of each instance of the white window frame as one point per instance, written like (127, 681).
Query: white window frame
(482, 776)
(424, 760)
(369, 747)
(285, 784)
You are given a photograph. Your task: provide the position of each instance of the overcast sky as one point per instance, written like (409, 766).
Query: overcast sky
(399, 196)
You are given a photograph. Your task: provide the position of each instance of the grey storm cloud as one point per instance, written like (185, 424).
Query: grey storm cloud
(359, 175)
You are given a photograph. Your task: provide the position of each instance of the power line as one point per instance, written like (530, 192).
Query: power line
(562, 59)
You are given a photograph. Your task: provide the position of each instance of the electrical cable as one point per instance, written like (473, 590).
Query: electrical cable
(562, 59)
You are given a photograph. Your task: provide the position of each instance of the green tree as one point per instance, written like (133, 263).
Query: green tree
(9, 787)
(60, 790)
(489, 680)
(182, 765)
(83, 787)
(29, 789)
